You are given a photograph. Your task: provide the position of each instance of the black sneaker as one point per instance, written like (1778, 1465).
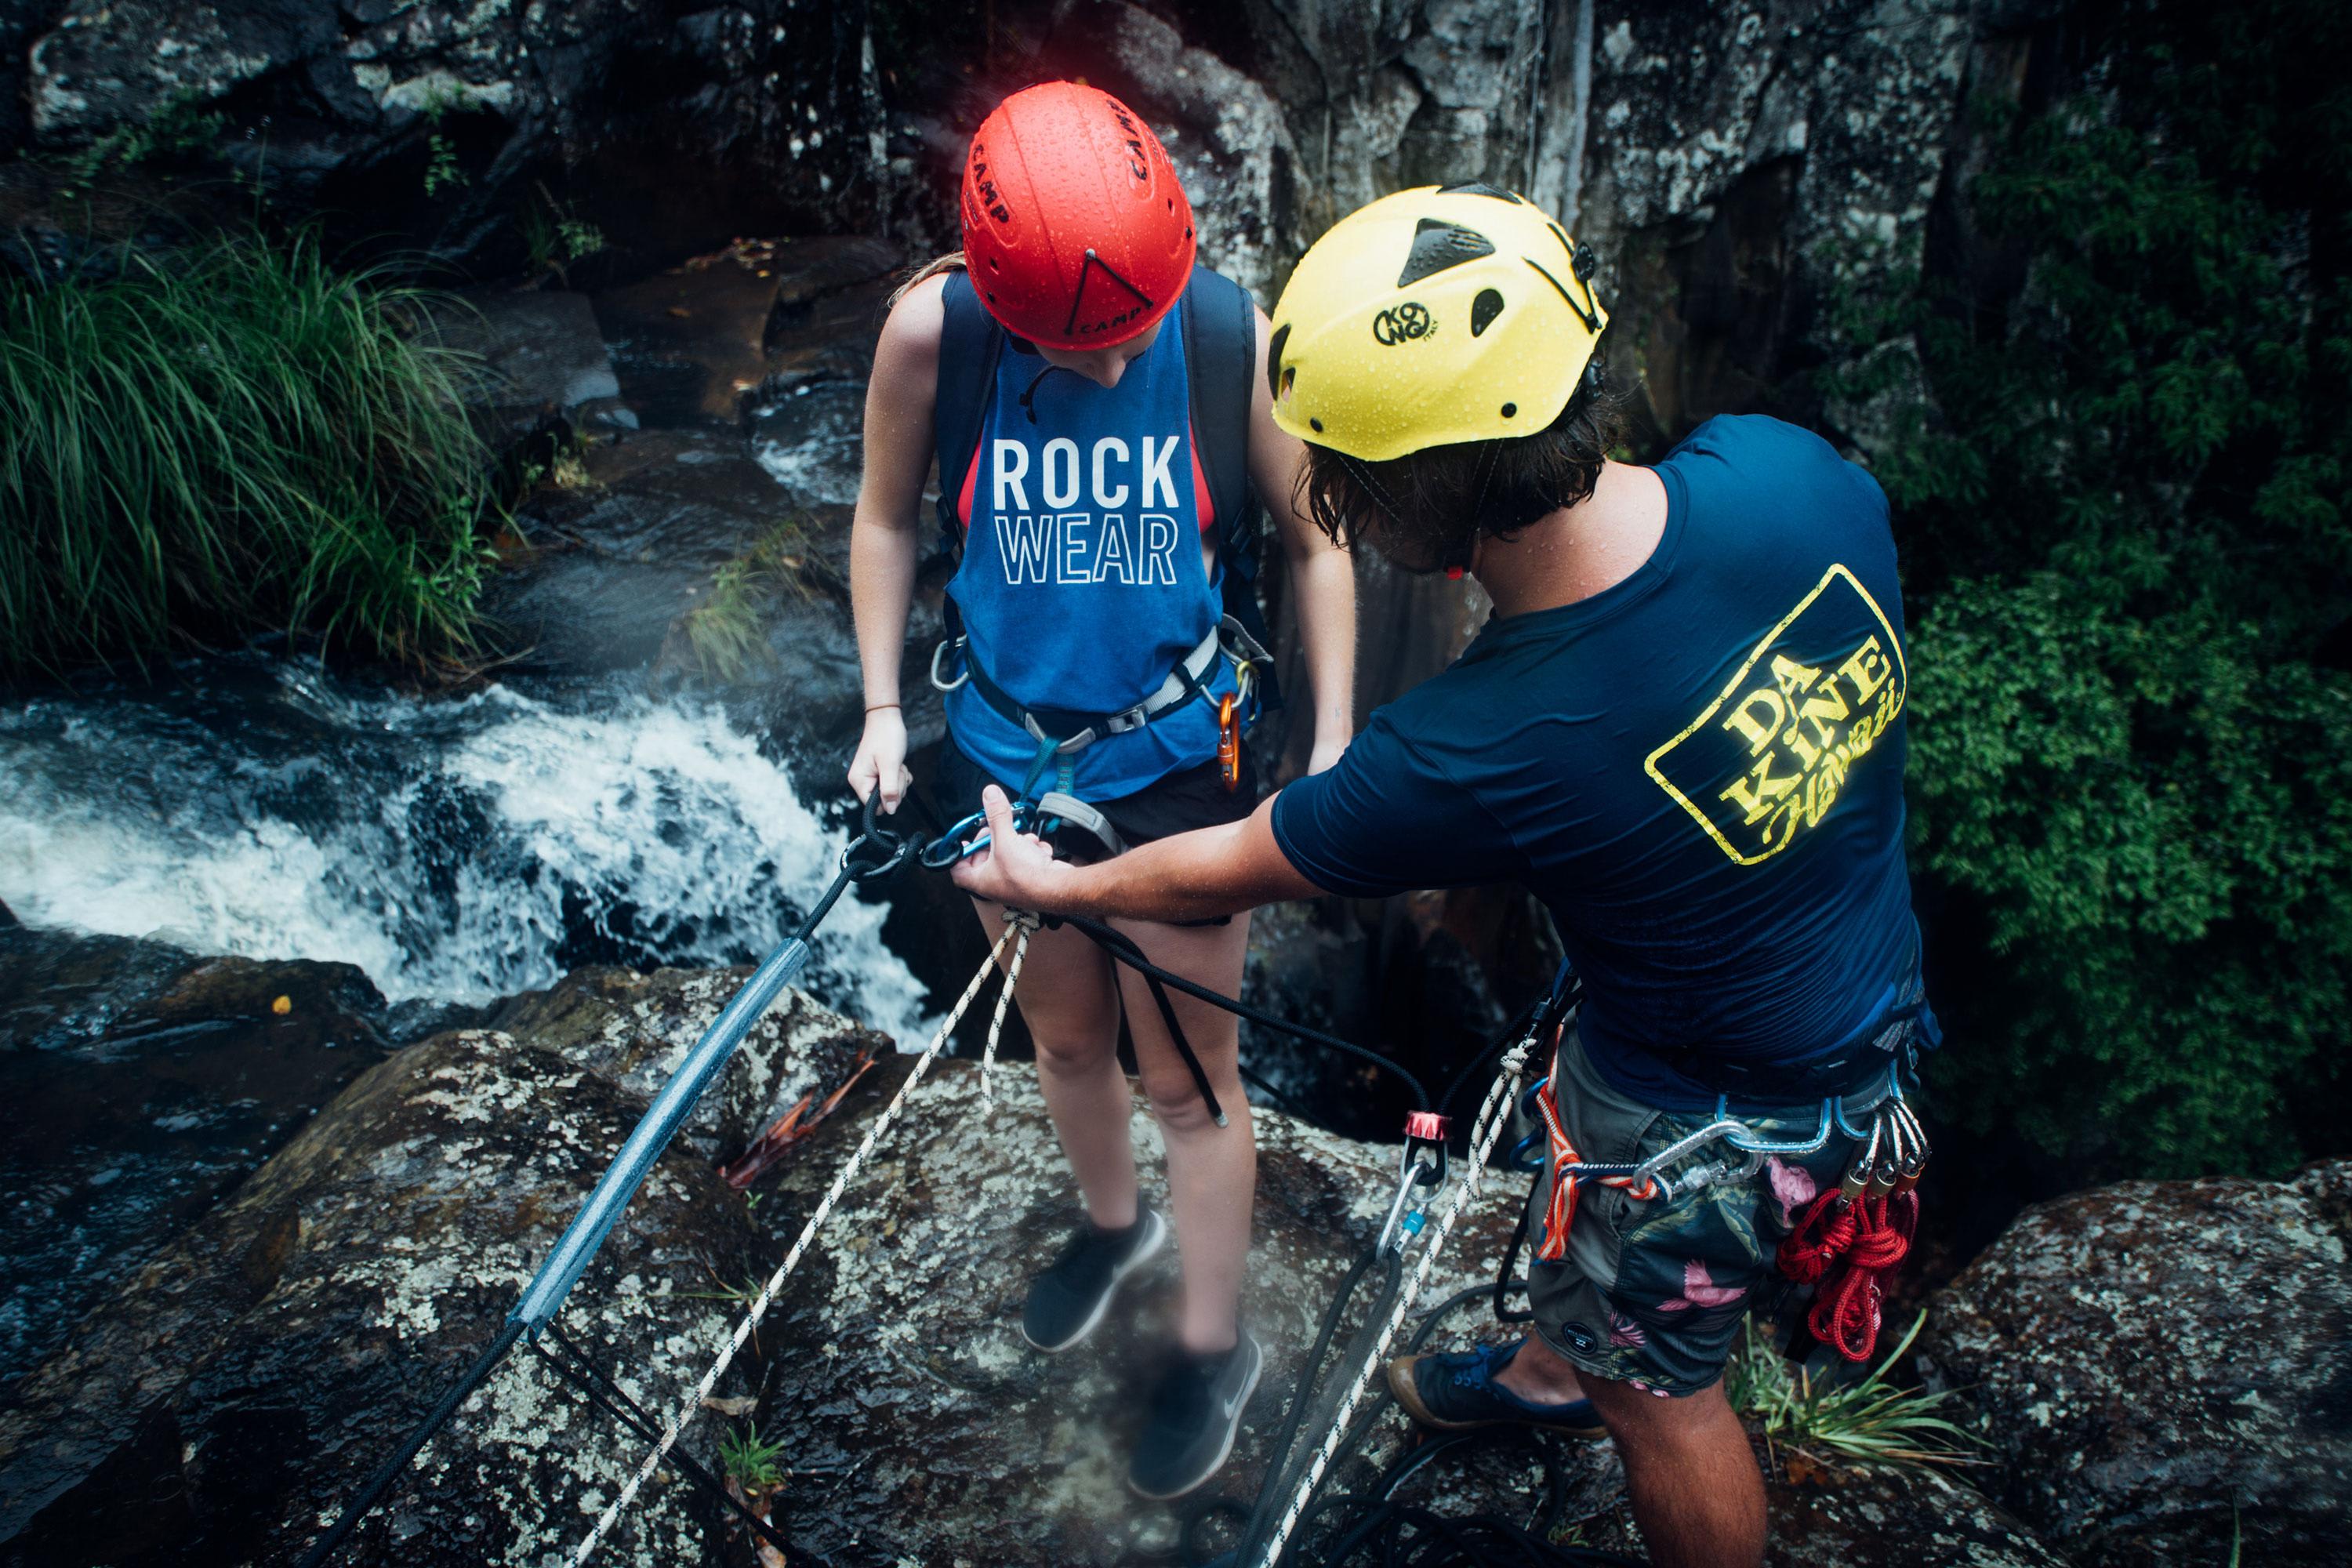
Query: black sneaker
(1195, 1413)
(1068, 1300)
(1457, 1390)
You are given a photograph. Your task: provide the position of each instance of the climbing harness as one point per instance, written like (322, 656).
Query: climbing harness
(1846, 1242)
(1070, 733)
(1060, 736)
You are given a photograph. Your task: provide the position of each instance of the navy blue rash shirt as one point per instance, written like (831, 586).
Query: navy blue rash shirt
(1699, 770)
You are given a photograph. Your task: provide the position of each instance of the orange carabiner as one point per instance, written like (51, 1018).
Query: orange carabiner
(1229, 741)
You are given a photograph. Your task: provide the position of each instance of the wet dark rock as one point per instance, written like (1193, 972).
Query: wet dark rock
(635, 1029)
(1876, 1516)
(825, 290)
(138, 1084)
(689, 342)
(934, 1433)
(542, 355)
(440, 122)
(248, 1376)
(567, 610)
(2163, 1365)
(675, 497)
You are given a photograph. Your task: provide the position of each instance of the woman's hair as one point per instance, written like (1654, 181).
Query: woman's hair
(952, 262)
(1426, 510)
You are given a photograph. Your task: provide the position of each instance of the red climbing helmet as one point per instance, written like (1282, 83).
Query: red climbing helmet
(1074, 225)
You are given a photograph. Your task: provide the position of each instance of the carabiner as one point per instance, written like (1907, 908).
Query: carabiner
(969, 837)
(1229, 741)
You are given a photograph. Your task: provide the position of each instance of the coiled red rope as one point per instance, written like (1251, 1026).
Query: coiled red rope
(1849, 1247)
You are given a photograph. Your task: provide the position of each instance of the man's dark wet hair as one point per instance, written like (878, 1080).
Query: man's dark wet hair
(1426, 510)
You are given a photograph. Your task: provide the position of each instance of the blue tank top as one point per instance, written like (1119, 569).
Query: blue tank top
(1082, 585)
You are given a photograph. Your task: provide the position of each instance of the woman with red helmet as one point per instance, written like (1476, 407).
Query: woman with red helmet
(1060, 369)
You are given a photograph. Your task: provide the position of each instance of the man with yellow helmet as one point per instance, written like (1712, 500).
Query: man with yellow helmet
(1682, 730)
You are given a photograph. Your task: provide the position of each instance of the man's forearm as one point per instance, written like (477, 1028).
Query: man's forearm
(1195, 876)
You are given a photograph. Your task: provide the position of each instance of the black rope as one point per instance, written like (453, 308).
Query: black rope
(389, 1471)
(603, 1392)
(1134, 959)
(1122, 947)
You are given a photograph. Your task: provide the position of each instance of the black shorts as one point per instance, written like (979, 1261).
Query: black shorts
(1184, 799)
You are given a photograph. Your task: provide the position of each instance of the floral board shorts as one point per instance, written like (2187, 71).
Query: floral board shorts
(1652, 1293)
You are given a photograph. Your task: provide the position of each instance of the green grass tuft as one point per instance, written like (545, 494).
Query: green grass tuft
(1870, 1422)
(728, 630)
(750, 1462)
(230, 438)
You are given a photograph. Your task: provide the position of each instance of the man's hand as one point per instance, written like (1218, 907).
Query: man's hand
(1016, 870)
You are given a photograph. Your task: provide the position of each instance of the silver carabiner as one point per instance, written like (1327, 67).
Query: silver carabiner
(940, 655)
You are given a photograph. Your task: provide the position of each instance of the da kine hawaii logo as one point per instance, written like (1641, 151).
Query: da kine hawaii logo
(1769, 756)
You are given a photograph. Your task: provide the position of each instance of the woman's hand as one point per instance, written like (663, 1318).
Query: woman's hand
(1017, 870)
(881, 758)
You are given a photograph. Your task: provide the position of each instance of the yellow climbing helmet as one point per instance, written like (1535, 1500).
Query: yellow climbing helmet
(1441, 314)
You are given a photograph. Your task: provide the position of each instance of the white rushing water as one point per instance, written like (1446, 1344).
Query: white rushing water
(458, 850)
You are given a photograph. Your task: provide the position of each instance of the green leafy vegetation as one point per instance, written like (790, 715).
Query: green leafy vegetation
(726, 632)
(1869, 1421)
(554, 236)
(752, 1463)
(227, 438)
(179, 126)
(442, 169)
(2119, 494)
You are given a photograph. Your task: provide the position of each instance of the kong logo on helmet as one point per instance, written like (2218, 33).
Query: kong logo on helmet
(1386, 275)
(1075, 229)
(1402, 324)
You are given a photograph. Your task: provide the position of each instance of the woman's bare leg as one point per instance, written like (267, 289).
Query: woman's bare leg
(1067, 1000)
(1211, 1170)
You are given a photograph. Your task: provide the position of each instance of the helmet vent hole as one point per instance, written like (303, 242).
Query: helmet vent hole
(1510, 409)
(1289, 379)
(1274, 357)
(1315, 426)
(1484, 310)
(994, 265)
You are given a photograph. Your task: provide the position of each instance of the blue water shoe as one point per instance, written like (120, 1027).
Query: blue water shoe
(1457, 1390)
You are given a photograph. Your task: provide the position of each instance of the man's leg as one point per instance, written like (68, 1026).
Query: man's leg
(1697, 1494)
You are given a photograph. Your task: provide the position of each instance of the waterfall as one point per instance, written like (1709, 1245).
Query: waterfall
(458, 850)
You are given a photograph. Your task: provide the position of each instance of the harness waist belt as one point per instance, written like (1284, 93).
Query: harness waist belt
(1075, 732)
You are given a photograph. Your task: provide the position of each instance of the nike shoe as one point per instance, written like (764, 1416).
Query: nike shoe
(1070, 1297)
(1195, 1413)
(1457, 1390)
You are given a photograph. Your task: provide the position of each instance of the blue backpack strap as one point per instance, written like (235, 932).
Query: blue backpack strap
(970, 341)
(1221, 357)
